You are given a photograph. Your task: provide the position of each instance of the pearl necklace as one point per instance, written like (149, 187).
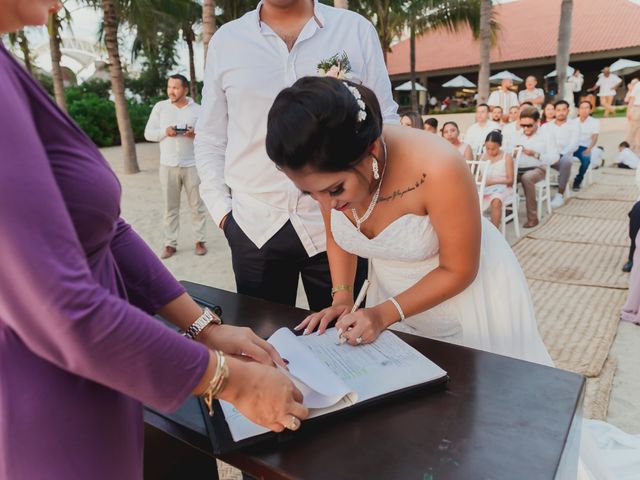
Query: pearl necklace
(374, 200)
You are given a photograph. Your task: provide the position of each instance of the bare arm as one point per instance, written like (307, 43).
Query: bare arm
(468, 154)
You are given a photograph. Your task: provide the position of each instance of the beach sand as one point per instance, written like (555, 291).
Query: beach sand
(142, 208)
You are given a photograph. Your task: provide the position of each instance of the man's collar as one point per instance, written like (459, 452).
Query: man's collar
(317, 14)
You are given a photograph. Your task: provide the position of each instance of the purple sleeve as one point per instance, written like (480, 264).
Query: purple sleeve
(149, 284)
(49, 298)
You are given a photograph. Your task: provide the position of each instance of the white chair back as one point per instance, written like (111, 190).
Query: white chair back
(479, 170)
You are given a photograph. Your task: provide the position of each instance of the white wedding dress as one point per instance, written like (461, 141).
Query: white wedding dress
(495, 314)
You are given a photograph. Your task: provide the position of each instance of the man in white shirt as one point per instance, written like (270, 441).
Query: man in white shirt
(576, 80)
(172, 124)
(531, 93)
(633, 117)
(511, 130)
(504, 97)
(477, 132)
(607, 82)
(276, 234)
(626, 158)
(496, 115)
(588, 131)
(565, 133)
(537, 154)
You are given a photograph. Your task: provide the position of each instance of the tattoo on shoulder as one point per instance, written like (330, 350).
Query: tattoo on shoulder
(398, 193)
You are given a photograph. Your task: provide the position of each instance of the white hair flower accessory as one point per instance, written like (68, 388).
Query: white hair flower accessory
(362, 114)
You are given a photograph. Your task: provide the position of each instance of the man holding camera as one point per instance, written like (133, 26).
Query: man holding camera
(172, 124)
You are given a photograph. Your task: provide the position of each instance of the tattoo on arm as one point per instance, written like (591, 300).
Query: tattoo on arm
(397, 193)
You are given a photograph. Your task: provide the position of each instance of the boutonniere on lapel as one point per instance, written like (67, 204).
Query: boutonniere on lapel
(337, 66)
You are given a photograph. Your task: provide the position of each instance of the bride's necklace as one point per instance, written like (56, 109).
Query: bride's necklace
(374, 200)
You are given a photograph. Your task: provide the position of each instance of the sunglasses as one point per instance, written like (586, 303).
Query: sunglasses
(527, 125)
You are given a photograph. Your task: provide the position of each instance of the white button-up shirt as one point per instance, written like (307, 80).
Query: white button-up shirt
(608, 85)
(506, 100)
(565, 135)
(540, 143)
(586, 130)
(248, 64)
(174, 151)
(477, 134)
(527, 96)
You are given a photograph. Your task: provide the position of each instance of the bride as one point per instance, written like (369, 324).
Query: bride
(406, 201)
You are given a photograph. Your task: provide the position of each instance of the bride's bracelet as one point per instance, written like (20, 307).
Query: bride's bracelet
(398, 307)
(217, 382)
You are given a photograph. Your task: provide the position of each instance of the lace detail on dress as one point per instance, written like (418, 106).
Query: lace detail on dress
(410, 238)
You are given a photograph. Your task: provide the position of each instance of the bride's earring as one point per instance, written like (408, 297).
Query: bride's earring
(374, 167)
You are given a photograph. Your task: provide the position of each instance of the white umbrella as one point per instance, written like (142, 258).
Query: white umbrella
(498, 77)
(624, 67)
(459, 82)
(406, 87)
(570, 71)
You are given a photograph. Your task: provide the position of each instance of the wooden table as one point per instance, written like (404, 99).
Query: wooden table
(499, 418)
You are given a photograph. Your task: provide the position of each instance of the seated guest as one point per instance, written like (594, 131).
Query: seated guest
(548, 113)
(537, 154)
(626, 158)
(589, 129)
(513, 114)
(531, 93)
(412, 119)
(496, 114)
(451, 132)
(477, 132)
(431, 125)
(565, 133)
(499, 186)
(511, 129)
(503, 97)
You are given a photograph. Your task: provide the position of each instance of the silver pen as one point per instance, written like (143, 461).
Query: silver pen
(356, 305)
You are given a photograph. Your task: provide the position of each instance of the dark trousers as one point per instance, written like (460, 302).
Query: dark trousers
(272, 272)
(634, 228)
(576, 98)
(585, 160)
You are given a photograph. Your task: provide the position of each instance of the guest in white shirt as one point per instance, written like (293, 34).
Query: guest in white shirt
(633, 116)
(538, 152)
(531, 93)
(477, 132)
(451, 133)
(511, 130)
(588, 131)
(504, 97)
(576, 80)
(597, 157)
(172, 124)
(497, 114)
(276, 233)
(565, 133)
(607, 84)
(626, 158)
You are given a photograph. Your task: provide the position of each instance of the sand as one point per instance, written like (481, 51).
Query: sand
(142, 208)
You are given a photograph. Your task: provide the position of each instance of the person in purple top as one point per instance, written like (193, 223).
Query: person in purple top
(79, 349)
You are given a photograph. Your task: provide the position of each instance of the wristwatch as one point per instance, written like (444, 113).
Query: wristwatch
(207, 318)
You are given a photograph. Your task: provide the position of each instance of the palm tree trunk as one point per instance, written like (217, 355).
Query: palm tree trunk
(412, 61)
(26, 51)
(208, 23)
(117, 87)
(485, 51)
(341, 4)
(56, 56)
(193, 85)
(564, 45)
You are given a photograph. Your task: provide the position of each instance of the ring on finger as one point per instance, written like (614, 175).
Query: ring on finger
(359, 340)
(294, 423)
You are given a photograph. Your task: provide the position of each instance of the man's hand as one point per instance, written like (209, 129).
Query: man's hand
(223, 221)
(191, 133)
(171, 132)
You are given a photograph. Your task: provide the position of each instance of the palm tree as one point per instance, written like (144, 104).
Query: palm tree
(564, 45)
(208, 23)
(110, 28)
(19, 38)
(486, 10)
(56, 55)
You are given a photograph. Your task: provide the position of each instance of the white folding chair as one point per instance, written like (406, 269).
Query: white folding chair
(479, 170)
(514, 200)
(543, 192)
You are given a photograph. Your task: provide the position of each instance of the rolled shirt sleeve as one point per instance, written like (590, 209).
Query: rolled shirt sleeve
(153, 131)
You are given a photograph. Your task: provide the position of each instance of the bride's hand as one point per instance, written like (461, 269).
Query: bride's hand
(323, 318)
(363, 326)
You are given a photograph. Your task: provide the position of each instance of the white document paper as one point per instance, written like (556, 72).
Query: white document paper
(333, 376)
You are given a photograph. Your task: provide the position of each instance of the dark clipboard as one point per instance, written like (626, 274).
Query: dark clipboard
(223, 443)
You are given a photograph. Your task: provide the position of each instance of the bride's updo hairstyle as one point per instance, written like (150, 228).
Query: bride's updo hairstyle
(318, 122)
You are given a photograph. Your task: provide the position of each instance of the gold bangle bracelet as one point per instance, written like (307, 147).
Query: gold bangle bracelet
(217, 382)
(341, 288)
